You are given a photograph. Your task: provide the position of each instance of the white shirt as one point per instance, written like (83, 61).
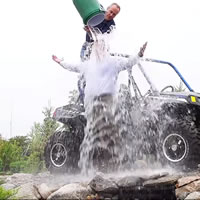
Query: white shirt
(101, 77)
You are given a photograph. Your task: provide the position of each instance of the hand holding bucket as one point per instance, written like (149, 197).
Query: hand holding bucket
(91, 11)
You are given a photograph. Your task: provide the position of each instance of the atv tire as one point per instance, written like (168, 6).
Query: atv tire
(62, 152)
(180, 145)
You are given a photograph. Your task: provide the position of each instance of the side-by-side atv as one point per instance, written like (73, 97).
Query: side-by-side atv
(166, 117)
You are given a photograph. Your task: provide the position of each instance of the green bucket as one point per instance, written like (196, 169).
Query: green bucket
(91, 11)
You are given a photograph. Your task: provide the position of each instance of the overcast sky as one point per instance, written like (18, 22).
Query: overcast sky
(33, 30)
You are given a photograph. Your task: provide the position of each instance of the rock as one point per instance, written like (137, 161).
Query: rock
(3, 178)
(71, 191)
(45, 191)
(181, 194)
(43, 177)
(195, 185)
(93, 197)
(186, 189)
(101, 185)
(27, 191)
(105, 186)
(130, 181)
(167, 180)
(193, 196)
(159, 175)
(20, 178)
(186, 180)
(8, 186)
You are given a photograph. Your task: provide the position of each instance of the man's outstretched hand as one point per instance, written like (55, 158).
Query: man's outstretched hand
(142, 49)
(56, 59)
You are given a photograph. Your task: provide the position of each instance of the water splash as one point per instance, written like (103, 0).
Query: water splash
(103, 144)
(118, 131)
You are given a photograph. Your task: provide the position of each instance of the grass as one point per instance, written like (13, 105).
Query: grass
(7, 194)
(2, 181)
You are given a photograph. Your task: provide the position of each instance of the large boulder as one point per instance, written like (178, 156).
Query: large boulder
(72, 191)
(102, 185)
(27, 191)
(46, 190)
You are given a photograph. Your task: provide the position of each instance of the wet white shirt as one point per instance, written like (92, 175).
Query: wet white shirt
(101, 77)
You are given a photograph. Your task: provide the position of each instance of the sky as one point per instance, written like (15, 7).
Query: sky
(33, 30)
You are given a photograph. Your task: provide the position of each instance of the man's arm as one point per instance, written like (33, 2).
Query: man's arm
(70, 67)
(127, 63)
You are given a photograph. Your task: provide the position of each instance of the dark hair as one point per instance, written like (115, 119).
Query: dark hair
(115, 5)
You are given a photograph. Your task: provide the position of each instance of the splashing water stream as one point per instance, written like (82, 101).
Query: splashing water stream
(118, 131)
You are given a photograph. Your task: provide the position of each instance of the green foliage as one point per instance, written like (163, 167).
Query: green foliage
(2, 181)
(49, 125)
(39, 135)
(37, 138)
(1, 165)
(34, 164)
(18, 166)
(23, 142)
(9, 153)
(6, 173)
(73, 96)
(7, 194)
(25, 153)
(180, 87)
(12, 154)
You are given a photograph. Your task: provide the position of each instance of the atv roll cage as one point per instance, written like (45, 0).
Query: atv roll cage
(153, 89)
(174, 68)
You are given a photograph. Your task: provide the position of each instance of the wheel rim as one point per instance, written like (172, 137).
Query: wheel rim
(175, 147)
(58, 155)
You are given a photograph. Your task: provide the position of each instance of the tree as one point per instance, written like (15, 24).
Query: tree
(23, 142)
(73, 96)
(26, 152)
(9, 153)
(40, 132)
(49, 124)
(180, 87)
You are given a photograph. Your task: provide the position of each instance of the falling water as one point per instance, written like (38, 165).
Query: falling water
(118, 136)
(119, 131)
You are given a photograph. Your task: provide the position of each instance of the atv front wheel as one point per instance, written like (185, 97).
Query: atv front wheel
(58, 155)
(62, 152)
(180, 145)
(175, 147)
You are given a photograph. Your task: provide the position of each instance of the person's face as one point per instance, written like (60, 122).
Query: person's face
(111, 12)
